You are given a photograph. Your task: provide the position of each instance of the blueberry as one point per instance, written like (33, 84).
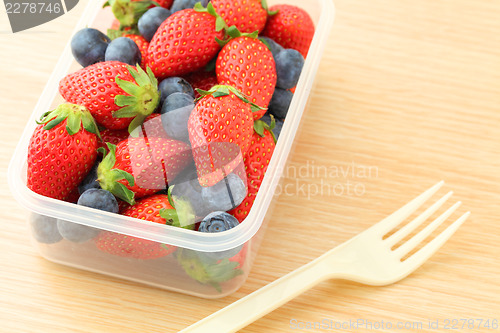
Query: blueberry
(218, 222)
(174, 84)
(94, 198)
(151, 20)
(185, 4)
(226, 194)
(175, 113)
(273, 46)
(280, 102)
(44, 229)
(74, 232)
(99, 199)
(278, 124)
(89, 46)
(289, 63)
(90, 181)
(125, 50)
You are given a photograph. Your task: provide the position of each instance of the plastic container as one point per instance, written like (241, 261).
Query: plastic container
(165, 272)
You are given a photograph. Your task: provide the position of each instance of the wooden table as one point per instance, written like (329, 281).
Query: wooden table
(408, 88)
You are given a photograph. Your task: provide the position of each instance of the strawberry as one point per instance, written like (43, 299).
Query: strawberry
(141, 166)
(256, 160)
(156, 208)
(113, 136)
(291, 27)
(202, 80)
(248, 65)
(220, 128)
(62, 150)
(143, 45)
(116, 94)
(246, 15)
(185, 42)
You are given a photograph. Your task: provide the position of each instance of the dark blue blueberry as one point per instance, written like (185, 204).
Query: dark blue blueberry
(44, 229)
(125, 50)
(74, 232)
(279, 104)
(184, 4)
(175, 113)
(90, 181)
(218, 222)
(151, 20)
(278, 124)
(289, 63)
(172, 85)
(226, 194)
(93, 198)
(89, 46)
(273, 46)
(99, 199)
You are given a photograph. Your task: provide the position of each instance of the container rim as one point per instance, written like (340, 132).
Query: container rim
(208, 242)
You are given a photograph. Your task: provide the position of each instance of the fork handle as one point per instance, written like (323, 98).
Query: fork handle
(259, 303)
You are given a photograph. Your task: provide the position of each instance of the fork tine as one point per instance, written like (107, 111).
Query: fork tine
(415, 240)
(407, 229)
(402, 213)
(419, 257)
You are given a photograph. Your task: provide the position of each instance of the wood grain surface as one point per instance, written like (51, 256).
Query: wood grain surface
(407, 94)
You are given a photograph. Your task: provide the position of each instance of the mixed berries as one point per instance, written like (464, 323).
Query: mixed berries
(173, 118)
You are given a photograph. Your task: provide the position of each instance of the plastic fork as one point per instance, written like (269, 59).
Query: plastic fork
(368, 258)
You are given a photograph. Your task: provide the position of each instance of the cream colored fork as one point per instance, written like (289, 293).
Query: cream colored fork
(366, 258)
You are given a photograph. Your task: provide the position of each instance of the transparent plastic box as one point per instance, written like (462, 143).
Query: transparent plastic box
(165, 272)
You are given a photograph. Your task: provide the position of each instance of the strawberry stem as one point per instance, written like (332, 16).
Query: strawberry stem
(223, 90)
(76, 117)
(143, 96)
(108, 176)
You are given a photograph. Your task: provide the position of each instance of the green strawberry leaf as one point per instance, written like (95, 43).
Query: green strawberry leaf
(54, 122)
(170, 216)
(263, 41)
(73, 123)
(258, 127)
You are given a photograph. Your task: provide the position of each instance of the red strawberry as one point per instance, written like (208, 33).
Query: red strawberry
(153, 209)
(246, 15)
(73, 196)
(248, 65)
(163, 3)
(291, 27)
(113, 136)
(143, 45)
(62, 150)
(185, 42)
(142, 166)
(201, 80)
(257, 160)
(113, 92)
(220, 128)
